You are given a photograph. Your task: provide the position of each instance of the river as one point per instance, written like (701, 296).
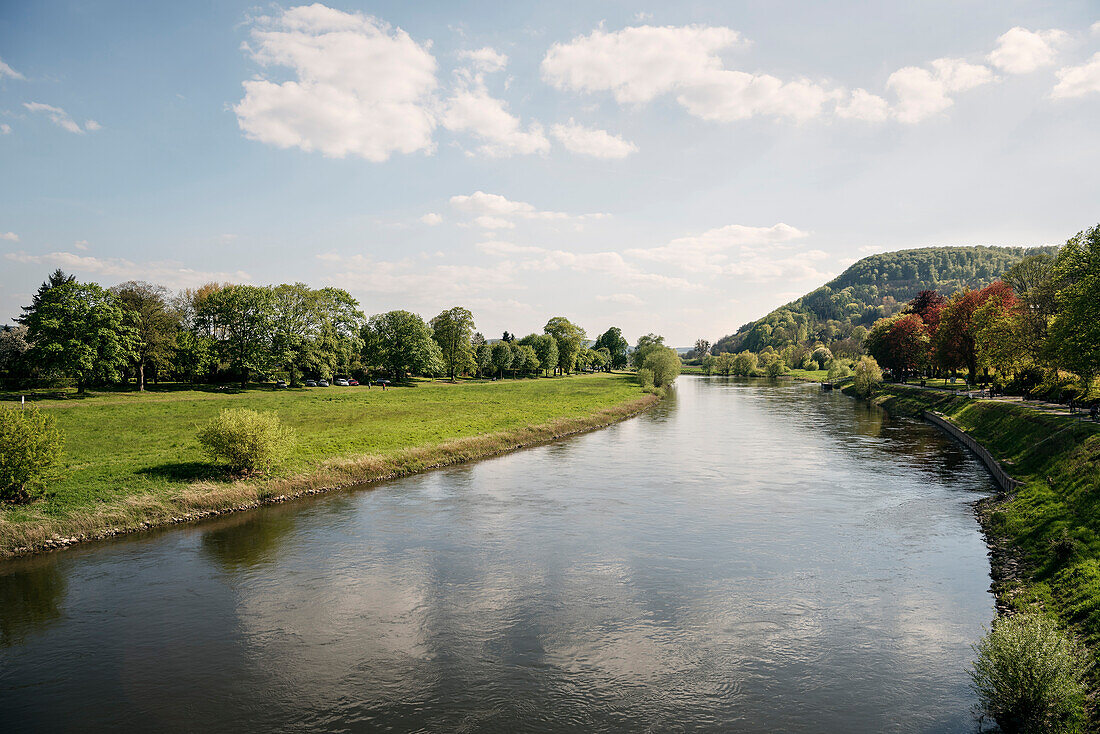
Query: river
(748, 556)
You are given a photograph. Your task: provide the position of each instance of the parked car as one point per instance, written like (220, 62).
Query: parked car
(340, 382)
(280, 384)
(322, 383)
(311, 383)
(353, 383)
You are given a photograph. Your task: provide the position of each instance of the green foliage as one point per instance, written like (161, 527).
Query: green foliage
(452, 331)
(1028, 676)
(241, 319)
(663, 364)
(645, 345)
(502, 357)
(400, 342)
(78, 330)
(867, 376)
(612, 340)
(249, 441)
(315, 331)
(154, 324)
(30, 445)
(569, 338)
(1075, 329)
(546, 350)
(838, 370)
(645, 378)
(775, 368)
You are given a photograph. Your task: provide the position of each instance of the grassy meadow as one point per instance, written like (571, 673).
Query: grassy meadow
(133, 458)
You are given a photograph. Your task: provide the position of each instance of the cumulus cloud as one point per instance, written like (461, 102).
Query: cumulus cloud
(5, 129)
(862, 105)
(9, 236)
(1077, 81)
(81, 244)
(641, 63)
(61, 118)
(1020, 51)
(499, 247)
(623, 299)
(713, 250)
(432, 219)
(591, 141)
(7, 71)
(485, 59)
(410, 276)
(471, 109)
(361, 87)
(493, 211)
(923, 93)
(170, 273)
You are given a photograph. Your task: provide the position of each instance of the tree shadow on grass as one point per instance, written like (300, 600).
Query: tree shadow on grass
(185, 471)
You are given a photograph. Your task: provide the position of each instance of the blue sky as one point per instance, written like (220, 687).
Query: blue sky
(679, 168)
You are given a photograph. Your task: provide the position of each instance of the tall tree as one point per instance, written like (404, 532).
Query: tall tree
(702, 348)
(955, 343)
(502, 356)
(241, 319)
(546, 350)
(1075, 330)
(402, 343)
(569, 337)
(646, 344)
(154, 322)
(78, 330)
(617, 347)
(452, 331)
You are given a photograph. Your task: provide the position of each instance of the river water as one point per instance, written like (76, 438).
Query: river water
(749, 556)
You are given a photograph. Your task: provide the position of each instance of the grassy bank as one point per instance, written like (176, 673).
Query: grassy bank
(1048, 531)
(132, 460)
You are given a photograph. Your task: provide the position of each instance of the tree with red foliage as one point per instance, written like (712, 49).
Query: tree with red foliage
(900, 343)
(929, 306)
(955, 341)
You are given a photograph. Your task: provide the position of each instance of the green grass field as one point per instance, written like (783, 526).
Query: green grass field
(121, 445)
(1053, 520)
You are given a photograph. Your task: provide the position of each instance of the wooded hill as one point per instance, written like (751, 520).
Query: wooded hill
(839, 313)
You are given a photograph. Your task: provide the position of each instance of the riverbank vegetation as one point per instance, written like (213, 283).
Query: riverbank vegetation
(1047, 532)
(133, 459)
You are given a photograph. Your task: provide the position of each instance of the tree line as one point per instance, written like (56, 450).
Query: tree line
(228, 332)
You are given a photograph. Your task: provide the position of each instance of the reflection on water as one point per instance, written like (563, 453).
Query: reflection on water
(751, 556)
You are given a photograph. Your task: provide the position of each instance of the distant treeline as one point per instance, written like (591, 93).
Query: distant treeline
(239, 333)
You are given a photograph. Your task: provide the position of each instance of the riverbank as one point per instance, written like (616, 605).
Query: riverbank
(132, 461)
(1045, 535)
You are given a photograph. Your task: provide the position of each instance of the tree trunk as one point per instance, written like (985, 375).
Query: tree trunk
(141, 376)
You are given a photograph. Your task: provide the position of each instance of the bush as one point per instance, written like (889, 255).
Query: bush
(30, 445)
(645, 378)
(664, 364)
(1028, 676)
(868, 376)
(247, 440)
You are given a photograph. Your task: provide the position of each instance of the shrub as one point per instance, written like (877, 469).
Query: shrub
(247, 440)
(775, 368)
(868, 376)
(664, 364)
(1028, 676)
(30, 445)
(645, 378)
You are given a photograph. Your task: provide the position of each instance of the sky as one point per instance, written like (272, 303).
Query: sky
(678, 168)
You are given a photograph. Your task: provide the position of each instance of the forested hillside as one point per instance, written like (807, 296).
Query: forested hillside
(839, 313)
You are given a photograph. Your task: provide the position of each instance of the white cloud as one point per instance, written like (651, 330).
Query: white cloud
(170, 273)
(408, 276)
(61, 118)
(862, 105)
(1095, 28)
(7, 71)
(485, 59)
(1077, 81)
(711, 251)
(1020, 51)
(471, 109)
(5, 129)
(92, 126)
(592, 142)
(624, 299)
(9, 236)
(641, 63)
(81, 244)
(922, 93)
(362, 88)
(493, 211)
(498, 247)
(432, 219)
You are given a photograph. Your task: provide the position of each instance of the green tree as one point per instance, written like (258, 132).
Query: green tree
(646, 343)
(483, 354)
(402, 343)
(452, 330)
(546, 350)
(78, 330)
(13, 349)
(1075, 330)
(242, 320)
(617, 347)
(867, 376)
(153, 321)
(502, 357)
(530, 358)
(744, 364)
(664, 363)
(569, 338)
(249, 441)
(192, 354)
